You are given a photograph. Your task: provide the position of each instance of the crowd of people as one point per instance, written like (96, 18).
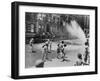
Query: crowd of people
(60, 50)
(83, 59)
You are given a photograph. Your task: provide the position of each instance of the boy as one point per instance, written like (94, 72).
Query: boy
(46, 51)
(60, 50)
(79, 62)
(31, 44)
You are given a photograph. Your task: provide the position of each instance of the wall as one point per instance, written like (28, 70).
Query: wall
(5, 41)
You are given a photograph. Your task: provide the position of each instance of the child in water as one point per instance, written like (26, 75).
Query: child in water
(31, 44)
(60, 51)
(79, 62)
(46, 51)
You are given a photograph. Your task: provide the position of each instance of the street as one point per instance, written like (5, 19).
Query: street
(71, 54)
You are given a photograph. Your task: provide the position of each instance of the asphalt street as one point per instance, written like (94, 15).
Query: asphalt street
(71, 52)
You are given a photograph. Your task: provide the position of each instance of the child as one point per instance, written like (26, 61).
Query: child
(86, 57)
(49, 45)
(59, 53)
(39, 64)
(31, 44)
(63, 49)
(45, 52)
(79, 62)
(31, 41)
(60, 50)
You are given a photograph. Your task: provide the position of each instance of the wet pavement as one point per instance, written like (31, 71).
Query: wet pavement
(71, 52)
